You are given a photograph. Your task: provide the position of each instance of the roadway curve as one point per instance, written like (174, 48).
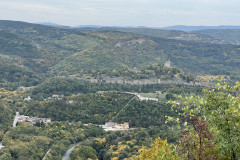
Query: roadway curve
(15, 119)
(69, 151)
(1, 146)
(46, 154)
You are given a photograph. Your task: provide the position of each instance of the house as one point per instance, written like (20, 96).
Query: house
(55, 96)
(22, 118)
(46, 120)
(116, 125)
(34, 120)
(122, 126)
(27, 99)
(110, 124)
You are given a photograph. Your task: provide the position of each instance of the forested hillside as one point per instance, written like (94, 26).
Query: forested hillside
(172, 34)
(228, 35)
(60, 85)
(69, 51)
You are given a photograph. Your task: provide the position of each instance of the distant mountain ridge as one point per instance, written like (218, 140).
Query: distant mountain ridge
(40, 50)
(172, 34)
(53, 25)
(48, 23)
(194, 28)
(185, 28)
(229, 35)
(100, 26)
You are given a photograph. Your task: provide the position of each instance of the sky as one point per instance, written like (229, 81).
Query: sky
(151, 13)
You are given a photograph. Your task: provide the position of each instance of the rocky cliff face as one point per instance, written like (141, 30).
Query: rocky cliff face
(122, 80)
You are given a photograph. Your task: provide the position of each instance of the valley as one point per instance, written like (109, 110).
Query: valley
(108, 93)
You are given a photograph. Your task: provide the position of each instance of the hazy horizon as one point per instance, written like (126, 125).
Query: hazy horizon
(149, 13)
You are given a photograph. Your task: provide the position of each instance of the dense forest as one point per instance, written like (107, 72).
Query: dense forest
(57, 51)
(152, 71)
(68, 87)
(100, 108)
(190, 120)
(76, 80)
(230, 35)
(172, 34)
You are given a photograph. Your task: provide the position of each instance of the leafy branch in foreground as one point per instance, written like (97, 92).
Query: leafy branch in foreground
(197, 141)
(220, 108)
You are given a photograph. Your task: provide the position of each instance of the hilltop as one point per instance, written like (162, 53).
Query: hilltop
(80, 79)
(46, 51)
(194, 28)
(171, 34)
(229, 35)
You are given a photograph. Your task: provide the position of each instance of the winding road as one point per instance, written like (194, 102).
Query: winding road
(1, 146)
(69, 151)
(15, 119)
(46, 154)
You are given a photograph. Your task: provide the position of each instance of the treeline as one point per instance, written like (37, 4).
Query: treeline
(6, 118)
(118, 145)
(30, 142)
(11, 73)
(12, 44)
(100, 108)
(66, 51)
(70, 86)
(211, 129)
(153, 71)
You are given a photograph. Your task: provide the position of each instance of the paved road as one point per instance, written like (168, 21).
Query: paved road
(46, 154)
(1, 146)
(15, 119)
(69, 151)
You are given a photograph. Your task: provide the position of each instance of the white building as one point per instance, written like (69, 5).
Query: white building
(167, 64)
(27, 99)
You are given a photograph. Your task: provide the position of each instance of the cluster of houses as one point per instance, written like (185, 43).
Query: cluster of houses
(117, 126)
(33, 120)
(54, 97)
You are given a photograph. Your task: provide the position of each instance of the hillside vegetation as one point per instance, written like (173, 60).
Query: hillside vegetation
(229, 35)
(79, 79)
(49, 51)
(173, 34)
